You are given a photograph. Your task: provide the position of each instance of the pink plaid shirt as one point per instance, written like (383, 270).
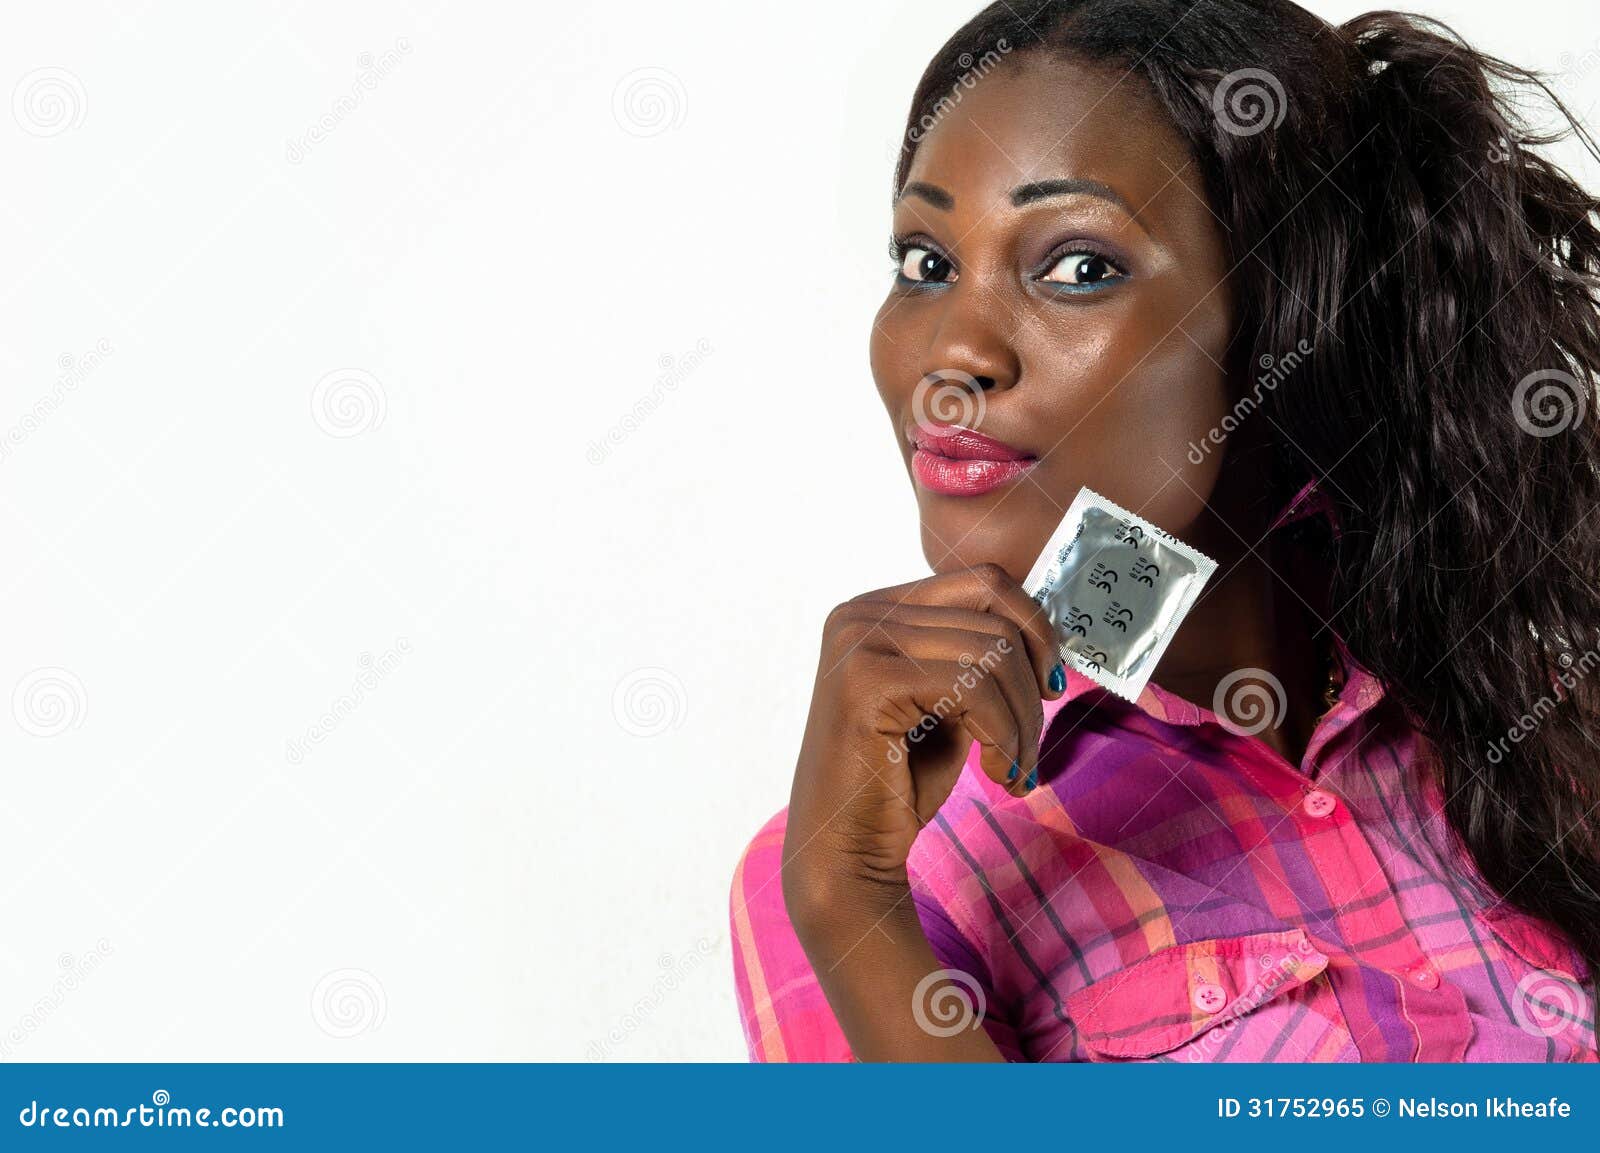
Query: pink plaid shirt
(1175, 890)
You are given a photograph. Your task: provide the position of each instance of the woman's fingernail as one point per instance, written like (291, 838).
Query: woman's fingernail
(1033, 777)
(1015, 769)
(1058, 678)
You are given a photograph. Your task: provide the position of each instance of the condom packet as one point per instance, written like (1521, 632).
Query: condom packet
(1116, 588)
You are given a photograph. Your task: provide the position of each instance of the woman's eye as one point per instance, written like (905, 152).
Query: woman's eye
(924, 264)
(1083, 270)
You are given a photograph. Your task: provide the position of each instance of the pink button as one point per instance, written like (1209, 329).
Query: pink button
(1425, 975)
(1320, 803)
(1209, 998)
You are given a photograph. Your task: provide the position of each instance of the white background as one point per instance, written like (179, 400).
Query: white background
(460, 408)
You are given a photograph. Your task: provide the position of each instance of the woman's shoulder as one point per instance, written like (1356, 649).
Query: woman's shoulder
(755, 902)
(782, 1010)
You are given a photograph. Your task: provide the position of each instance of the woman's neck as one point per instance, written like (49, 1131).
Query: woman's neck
(1262, 612)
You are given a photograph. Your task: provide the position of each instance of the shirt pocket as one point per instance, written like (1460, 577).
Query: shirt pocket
(1554, 992)
(1258, 997)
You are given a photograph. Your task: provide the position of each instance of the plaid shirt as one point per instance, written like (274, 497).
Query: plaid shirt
(1174, 890)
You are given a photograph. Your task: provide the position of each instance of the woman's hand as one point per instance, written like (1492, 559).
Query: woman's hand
(909, 677)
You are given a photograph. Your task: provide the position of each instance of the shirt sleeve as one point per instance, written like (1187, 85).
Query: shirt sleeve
(781, 1006)
(971, 973)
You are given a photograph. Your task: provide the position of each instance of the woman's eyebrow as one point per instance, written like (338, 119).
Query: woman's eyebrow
(932, 193)
(1043, 189)
(1023, 193)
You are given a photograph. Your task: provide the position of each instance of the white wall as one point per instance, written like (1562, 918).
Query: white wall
(327, 409)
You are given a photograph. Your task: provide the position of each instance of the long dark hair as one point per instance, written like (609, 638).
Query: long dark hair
(1385, 204)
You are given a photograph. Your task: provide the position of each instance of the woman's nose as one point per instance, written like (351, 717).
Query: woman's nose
(972, 347)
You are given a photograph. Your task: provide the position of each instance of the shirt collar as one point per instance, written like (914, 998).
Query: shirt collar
(1311, 500)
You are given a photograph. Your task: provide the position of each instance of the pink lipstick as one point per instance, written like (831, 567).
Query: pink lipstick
(959, 461)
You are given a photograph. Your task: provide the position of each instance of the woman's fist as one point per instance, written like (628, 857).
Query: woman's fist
(909, 678)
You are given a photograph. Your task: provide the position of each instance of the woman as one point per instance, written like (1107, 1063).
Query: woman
(1302, 296)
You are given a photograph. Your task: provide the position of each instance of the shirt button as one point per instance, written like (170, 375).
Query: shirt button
(1425, 975)
(1209, 998)
(1320, 803)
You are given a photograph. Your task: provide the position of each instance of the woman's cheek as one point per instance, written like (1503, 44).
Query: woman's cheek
(1139, 425)
(890, 352)
(1169, 440)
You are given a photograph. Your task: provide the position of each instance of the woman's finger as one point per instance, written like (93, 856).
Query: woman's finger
(985, 716)
(969, 656)
(988, 589)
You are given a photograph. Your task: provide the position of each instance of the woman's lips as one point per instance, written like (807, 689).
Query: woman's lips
(960, 462)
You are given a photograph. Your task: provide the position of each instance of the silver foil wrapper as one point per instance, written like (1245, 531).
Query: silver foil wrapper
(1116, 588)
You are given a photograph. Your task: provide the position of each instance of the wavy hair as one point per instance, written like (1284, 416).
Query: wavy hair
(1385, 202)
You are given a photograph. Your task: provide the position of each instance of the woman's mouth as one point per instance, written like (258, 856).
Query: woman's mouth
(957, 461)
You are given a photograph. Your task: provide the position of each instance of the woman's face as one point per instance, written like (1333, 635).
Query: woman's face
(1062, 293)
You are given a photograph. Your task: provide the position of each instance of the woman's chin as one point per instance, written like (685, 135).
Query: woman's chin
(946, 553)
(1008, 532)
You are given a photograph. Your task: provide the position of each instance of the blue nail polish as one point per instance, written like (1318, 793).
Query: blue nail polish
(1033, 777)
(1015, 769)
(1058, 678)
